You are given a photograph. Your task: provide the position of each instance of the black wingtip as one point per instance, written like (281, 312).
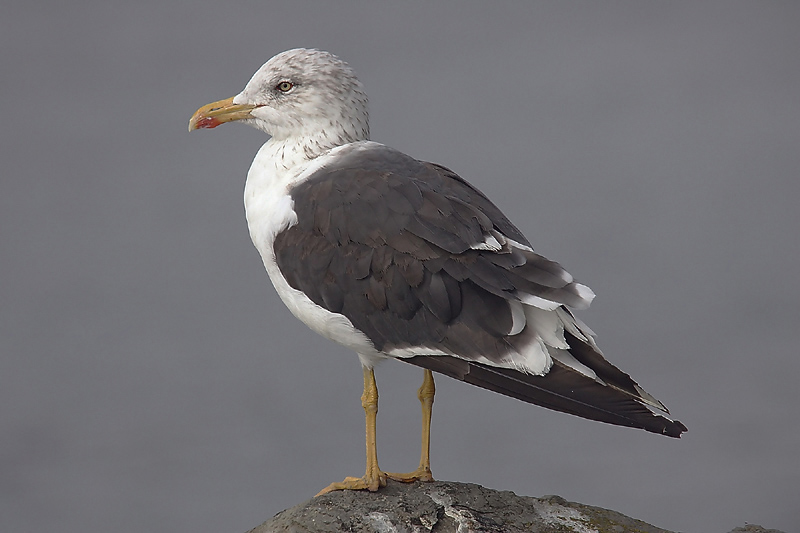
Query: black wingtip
(561, 389)
(674, 429)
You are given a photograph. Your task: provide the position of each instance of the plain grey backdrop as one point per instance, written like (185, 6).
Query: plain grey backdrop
(151, 380)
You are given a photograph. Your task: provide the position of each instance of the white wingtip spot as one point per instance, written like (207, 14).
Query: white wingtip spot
(586, 294)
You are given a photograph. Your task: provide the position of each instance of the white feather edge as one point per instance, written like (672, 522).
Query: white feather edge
(489, 243)
(518, 318)
(566, 358)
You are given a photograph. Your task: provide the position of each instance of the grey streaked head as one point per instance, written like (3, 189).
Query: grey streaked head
(307, 93)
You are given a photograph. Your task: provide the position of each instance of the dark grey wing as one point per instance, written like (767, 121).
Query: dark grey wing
(467, 193)
(422, 262)
(413, 257)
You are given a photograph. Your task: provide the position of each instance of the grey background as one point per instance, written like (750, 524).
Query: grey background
(151, 380)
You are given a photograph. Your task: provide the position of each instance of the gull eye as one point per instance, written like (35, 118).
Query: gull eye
(285, 86)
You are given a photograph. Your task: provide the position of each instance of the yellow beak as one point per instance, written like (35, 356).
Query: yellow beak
(216, 113)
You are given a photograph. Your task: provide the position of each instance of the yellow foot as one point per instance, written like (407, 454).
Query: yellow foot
(420, 474)
(371, 484)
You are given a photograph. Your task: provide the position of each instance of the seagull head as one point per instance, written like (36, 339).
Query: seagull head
(303, 94)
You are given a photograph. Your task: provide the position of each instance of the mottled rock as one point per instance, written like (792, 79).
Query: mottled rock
(751, 528)
(447, 507)
(444, 507)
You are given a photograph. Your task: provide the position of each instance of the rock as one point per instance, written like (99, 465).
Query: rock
(751, 528)
(445, 507)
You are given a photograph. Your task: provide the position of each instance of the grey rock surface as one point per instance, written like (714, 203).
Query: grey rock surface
(751, 528)
(448, 507)
(445, 507)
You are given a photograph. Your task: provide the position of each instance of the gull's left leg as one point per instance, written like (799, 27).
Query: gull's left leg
(423, 473)
(373, 478)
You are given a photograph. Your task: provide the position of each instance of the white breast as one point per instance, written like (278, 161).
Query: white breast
(269, 210)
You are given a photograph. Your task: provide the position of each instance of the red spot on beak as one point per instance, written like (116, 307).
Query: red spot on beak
(208, 122)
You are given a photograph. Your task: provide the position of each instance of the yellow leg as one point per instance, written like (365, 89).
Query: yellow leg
(373, 478)
(425, 394)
